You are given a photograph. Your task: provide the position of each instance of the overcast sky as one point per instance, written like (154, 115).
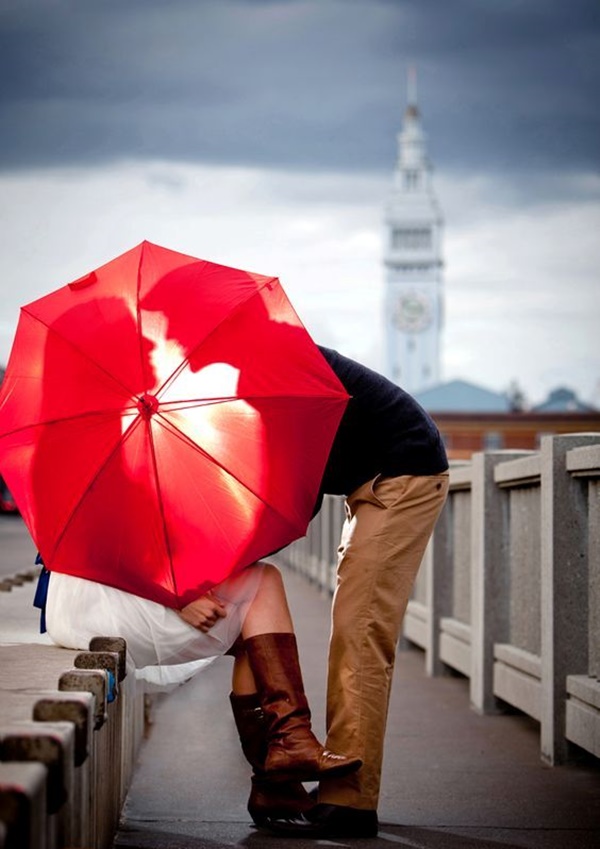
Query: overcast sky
(263, 135)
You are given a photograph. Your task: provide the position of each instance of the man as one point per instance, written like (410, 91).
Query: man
(389, 461)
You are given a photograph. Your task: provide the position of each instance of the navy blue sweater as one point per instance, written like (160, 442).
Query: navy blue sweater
(383, 431)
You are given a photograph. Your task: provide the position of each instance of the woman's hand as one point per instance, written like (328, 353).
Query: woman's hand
(204, 612)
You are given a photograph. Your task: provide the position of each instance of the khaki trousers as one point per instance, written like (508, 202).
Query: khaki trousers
(389, 522)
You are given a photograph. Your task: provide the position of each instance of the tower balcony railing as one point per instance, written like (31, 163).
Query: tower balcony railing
(508, 593)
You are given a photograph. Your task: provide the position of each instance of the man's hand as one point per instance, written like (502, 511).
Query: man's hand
(203, 613)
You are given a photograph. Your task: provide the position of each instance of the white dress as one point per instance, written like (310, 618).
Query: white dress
(163, 649)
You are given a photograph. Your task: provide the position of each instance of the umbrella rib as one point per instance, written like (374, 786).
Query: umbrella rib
(138, 311)
(161, 506)
(178, 434)
(183, 403)
(82, 353)
(64, 419)
(144, 367)
(94, 478)
(267, 284)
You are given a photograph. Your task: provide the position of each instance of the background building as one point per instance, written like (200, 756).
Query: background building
(413, 261)
(472, 418)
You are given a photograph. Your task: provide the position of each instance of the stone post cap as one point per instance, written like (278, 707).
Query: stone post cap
(107, 660)
(94, 681)
(75, 707)
(22, 777)
(112, 644)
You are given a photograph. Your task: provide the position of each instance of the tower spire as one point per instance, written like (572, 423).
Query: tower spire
(412, 107)
(411, 87)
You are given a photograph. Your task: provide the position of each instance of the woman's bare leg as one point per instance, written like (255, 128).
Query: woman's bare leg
(269, 612)
(242, 679)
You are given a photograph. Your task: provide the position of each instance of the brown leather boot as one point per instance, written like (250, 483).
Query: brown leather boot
(268, 799)
(293, 750)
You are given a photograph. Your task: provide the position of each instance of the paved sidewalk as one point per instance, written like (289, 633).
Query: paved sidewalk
(452, 779)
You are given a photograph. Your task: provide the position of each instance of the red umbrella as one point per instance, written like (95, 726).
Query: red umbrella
(164, 422)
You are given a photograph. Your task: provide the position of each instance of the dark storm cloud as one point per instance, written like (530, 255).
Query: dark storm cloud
(504, 84)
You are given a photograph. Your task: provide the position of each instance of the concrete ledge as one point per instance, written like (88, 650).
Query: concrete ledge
(66, 755)
(585, 689)
(583, 712)
(45, 687)
(520, 659)
(455, 654)
(517, 678)
(461, 477)
(584, 461)
(583, 726)
(524, 471)
(455, 628)
(49, 743)
(415, 624)
(455, 645)
(518, 689)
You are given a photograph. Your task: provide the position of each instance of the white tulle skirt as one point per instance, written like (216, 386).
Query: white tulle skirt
(164, 650)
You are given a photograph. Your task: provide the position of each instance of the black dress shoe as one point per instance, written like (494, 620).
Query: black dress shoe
(325, 822)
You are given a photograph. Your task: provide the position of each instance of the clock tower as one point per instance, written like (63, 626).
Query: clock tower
(413, 261)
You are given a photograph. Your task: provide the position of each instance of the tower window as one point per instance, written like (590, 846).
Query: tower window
(411, 238)
(411, 180)
(412, 267)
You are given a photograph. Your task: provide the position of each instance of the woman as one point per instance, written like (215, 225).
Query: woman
(247, 616)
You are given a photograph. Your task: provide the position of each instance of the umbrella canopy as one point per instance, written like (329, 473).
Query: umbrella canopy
(164, 422)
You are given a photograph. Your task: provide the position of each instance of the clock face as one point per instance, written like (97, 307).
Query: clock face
(413, 312)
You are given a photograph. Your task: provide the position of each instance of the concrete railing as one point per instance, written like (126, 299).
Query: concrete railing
(67, 751)
(509, 590)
